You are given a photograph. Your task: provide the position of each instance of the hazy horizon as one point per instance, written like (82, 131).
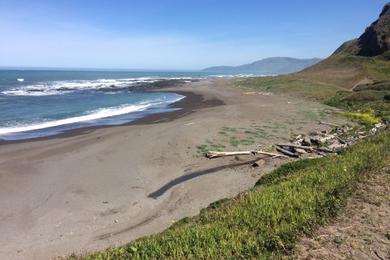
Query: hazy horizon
(174, 35)
(126, 69)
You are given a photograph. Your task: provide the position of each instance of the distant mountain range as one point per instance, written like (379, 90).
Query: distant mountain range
(268, 66)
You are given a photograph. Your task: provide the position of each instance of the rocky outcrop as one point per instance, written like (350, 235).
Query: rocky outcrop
(374, 41)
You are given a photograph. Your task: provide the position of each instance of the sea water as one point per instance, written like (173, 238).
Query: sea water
(37, 103)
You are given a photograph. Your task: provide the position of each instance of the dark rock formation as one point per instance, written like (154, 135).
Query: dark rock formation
(374, 41)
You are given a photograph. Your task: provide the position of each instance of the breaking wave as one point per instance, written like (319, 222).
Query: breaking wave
(93, 115)
(67, 86)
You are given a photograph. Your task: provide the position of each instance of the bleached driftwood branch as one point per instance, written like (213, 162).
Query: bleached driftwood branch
(214, 154)
(307, 148)
(286, 152)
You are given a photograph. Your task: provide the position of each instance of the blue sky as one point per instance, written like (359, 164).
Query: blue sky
(175, 34)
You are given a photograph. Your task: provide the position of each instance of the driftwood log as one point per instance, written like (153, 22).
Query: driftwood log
(258, 163)
(307, 148)
(214, 154)
(325, 150)
(300, 151)
(342, 141)
(286, 152)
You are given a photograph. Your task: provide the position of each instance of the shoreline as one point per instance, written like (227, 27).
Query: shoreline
(112, 185)
(186, 106)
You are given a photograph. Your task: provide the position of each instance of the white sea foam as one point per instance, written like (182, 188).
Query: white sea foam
(93, 115)
(63, 87)
(98, 114)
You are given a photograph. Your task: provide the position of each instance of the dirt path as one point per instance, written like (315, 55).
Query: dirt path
(364, 81)
(362, 231)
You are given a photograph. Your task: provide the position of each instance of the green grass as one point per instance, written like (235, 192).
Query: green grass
(265, 222)
(289, 84)
(230, 137)
(210, 146)
(362, 102)
(331, 81)
(345, 71)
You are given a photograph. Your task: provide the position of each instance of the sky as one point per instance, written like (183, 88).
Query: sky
(175, 34)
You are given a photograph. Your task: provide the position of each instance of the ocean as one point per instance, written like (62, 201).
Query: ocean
(38, 103)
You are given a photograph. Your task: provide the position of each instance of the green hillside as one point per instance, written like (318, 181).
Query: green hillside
(345, 70)
(355, 77)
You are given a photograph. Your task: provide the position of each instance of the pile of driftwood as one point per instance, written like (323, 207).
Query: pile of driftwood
(318, 143)
(259, 162)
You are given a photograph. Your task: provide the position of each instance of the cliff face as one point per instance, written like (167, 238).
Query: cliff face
(374, 41)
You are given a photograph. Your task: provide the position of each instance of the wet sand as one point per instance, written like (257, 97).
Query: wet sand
(189, 104)
(94, 188)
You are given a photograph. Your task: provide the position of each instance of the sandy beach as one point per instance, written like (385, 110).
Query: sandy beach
(95, 188)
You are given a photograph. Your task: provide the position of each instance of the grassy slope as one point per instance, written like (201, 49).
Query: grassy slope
(290, 85)
(331, 82)
(266, 221)
(338, 72)
(346, 70)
